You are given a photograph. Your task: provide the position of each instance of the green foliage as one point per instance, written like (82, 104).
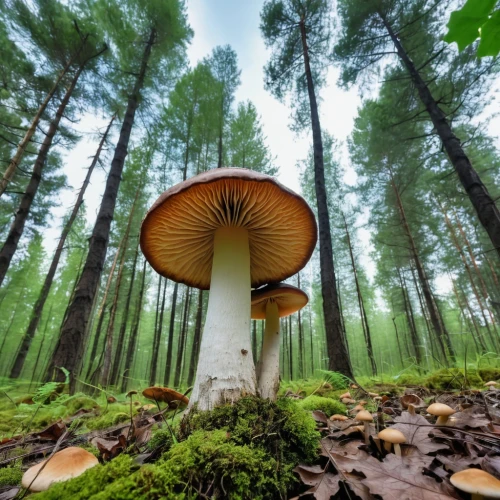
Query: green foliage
(11, 476)
(335, 379)
(453, 378)
(327, 405)
(476, 19)
(161, 439)
(489, 373)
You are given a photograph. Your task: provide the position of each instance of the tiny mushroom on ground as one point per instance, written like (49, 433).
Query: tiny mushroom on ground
(166, 395)
(345, 395)
(365, 417)
(358, 407)
(228, 230)
(441, 411)
(63, 465)
(491, 384)
(392, 437)
(348, 401)
(271, 303)
(477, 482)
(340, 418)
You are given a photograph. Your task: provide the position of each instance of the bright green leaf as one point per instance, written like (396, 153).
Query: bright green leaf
(490, 36)
(464, 24)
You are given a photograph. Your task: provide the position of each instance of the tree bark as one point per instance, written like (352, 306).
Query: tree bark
(69, 348)
(337, 351)
(485, 206)
(155, 351)
(44, 293)
(181, 347)
(171, 327)
(33, 372)
(17, 228)
(196, 340)
(301, 337)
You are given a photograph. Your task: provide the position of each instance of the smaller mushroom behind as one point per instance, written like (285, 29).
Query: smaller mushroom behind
(345, 395)
(271, 303)
(63, 465)
(165, 395)
(491, 384)
(441, 411)
(392, 437)
(365, 417)
(477, 482)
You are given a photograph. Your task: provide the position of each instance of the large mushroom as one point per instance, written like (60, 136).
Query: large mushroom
(227, 230)
(271, 303)
(165, 395)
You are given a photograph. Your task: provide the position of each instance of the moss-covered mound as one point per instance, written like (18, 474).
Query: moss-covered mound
(240, 451)
(453, 378)
(327, 405)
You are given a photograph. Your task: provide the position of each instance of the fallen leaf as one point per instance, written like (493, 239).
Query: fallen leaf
(456, 463)
(411, 399)
(53, 432)
(324, 483)
(491, 464)
(10, 493)
(110, 448)
(468, 418)
(320, 417)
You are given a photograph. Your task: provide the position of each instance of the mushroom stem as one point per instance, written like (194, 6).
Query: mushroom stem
(397, 449)
(269, 364)
(367, 432)
(387, 446)
(442, 420)
(225, 367)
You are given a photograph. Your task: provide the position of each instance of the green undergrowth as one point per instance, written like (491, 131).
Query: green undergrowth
(11, 475)
(239, 451)
(327, 405)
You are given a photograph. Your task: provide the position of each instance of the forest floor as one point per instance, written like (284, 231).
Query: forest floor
(255, 448)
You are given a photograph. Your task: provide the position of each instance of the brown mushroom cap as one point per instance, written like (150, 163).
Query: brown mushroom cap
(392, 436)
(476, 481)
(440, 410)
(165, 395)
(65, 464)
(345, 395)
(177, 232)
(364, 416)
(491, 383)
(288, 298)
(338, 417)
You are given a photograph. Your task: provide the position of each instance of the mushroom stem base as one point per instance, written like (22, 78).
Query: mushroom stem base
(269, 364)
(225, 370)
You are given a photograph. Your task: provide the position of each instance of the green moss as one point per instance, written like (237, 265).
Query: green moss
(489, 373)
(327, 405)
(10, 476)
(79, 402)
(115, 414)
(161, 439)
(453, 378)
(409, 378)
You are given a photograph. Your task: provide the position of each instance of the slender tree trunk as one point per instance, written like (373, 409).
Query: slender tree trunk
(171, 327)
(33, 372)
(289, 321)
(69, 348)
(44, 293)
(182, 339)
(157, 338)
(437, 325)
(337, 351)
(311, 340)
(485, 206)
(17, 228)
(129, 357)
(123, 327)
(362, 311)
(301, 337)
(196, 340)
(20, 299)
(21, 148)
(393, 317)
(254, 341)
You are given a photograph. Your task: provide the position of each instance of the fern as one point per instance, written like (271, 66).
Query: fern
(335, 379)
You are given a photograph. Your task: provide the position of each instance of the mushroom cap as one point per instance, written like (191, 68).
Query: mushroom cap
(348, 401)
(364, 416)
(338, 417)
(345, 395)
(288, 298)
(440, 410)
(65, 464)
(165, 395)
(392, 436)
(490, 383)
(177, 233)
(476, 481)
(358, 407)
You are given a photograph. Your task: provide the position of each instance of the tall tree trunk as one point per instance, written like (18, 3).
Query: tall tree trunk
(182, 339)
(362, 311)
(129, 357)
(485, 206)
(20, 300)
(123, 326)
(254, 341)
(393, 317)
(196, 339)
(301, 337)
(44, 292)
(168, 363)
(337, 352)
(290, 345)
(69, 348)
(155, 351)
(21, 148)
(17, 228)
(437, 325)
(33, 372)
(311, 340)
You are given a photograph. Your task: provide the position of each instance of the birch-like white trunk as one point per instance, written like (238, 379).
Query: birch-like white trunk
(269, 364)
(225, 370)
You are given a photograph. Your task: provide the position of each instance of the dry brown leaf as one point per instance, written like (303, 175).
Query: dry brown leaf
(411, 399)
(9, 493)
(320, 417)
(491, 464)
(110, 448)
(324, 483)
(53, 432)
(416, 430)
(468, 418)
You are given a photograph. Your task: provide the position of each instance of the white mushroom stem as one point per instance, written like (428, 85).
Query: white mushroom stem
(225, 367)
(397, 449)
(269, 364)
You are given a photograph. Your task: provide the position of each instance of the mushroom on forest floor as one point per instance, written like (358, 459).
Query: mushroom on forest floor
(271, 303)
(63, 465)
(227, 230)
(441, 411)
(477, 482)
(165, 395)
(392, 437)
(491, 384)
(365, 417)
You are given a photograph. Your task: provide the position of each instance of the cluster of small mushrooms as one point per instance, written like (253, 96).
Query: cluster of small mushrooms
(230, 230)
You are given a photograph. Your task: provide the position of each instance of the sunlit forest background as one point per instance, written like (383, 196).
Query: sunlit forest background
(110, 89)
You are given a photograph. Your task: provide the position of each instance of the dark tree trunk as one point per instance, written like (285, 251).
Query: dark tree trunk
(17, 228)
(311, 340)
(254, 341)
(290, 345)
(301, 337)
(168, 363)
(362, 311)
(129, 357)
(397, 333)
(121, 334)
(157, 338)
(182, 339)
(337, 351)
(69, 348)
(479, 196)
(44, 293)
(33, 372)
(196, 340)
